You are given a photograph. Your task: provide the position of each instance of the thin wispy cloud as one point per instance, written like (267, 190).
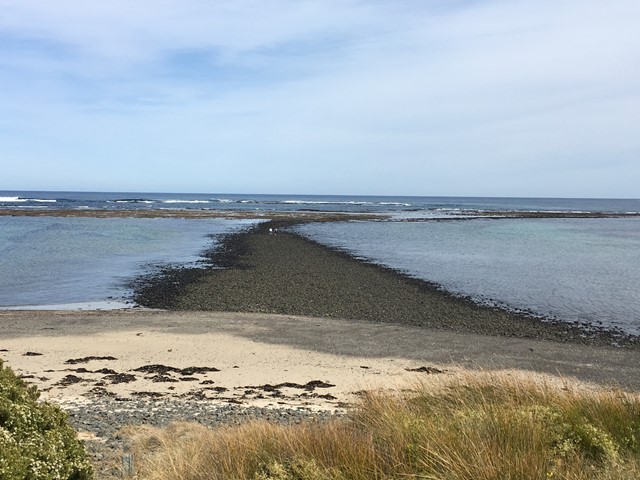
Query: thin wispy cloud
(470, 98)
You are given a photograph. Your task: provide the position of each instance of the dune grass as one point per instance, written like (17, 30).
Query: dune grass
(475, 428)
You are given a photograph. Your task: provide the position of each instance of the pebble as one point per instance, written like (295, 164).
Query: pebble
(105, 417)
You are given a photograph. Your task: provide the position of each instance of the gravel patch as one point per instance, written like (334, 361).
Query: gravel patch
(103, 418)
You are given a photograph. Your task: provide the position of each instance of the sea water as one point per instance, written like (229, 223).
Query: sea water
(89, 262)
(576, 270)
(584, 270)
(401, 206)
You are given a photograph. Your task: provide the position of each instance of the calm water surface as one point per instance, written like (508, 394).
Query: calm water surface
(585, 270)
(62, 261)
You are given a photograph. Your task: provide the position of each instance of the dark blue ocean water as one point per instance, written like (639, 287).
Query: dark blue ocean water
(400, 205)
(585, 270)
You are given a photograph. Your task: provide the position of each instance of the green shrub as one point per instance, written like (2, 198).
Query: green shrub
(36, 442)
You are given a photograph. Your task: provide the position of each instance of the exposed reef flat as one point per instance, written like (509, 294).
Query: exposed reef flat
(310, 216)
(302, 215)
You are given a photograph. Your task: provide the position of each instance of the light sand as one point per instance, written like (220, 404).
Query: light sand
(244, 365)
(251, 351)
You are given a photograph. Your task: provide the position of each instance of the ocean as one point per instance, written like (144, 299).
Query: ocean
(404, 207)
(583, 270)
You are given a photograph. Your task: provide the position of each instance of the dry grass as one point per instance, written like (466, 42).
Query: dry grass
(475, 428)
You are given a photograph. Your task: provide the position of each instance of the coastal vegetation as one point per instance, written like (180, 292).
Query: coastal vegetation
(36, 443)
(489, 427)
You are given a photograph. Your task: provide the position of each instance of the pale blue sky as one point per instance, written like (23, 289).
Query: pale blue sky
(431, 97)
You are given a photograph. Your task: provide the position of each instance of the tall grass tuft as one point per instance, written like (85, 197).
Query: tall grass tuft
(474, 428)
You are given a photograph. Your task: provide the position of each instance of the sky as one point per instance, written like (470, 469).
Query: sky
(384, 97)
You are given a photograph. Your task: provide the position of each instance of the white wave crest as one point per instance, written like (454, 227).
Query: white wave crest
(351, 202)
(23, 200)
(12, 199)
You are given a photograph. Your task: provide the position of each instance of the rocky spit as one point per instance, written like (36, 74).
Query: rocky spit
(270, 269)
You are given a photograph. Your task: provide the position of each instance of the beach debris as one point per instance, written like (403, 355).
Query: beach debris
(147, 394)
(120, 378)
(326, 396)
(70, 380)
(79, 370)
(309, 386)
(99, 392)
(73, 361)
(193, 370)
(164, 369)
(199, 395)
(156, 368)
(427, 370)
(161, 379)
(3, 350)
(31, 354)
(313, 384)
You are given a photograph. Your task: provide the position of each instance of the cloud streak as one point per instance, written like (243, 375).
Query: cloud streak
(487, 97)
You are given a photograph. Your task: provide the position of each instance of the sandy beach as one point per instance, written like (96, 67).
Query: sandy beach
(111, 369)
(231, 357)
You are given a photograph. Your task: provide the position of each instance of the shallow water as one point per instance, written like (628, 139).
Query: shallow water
(76, 262)
(585, 270)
